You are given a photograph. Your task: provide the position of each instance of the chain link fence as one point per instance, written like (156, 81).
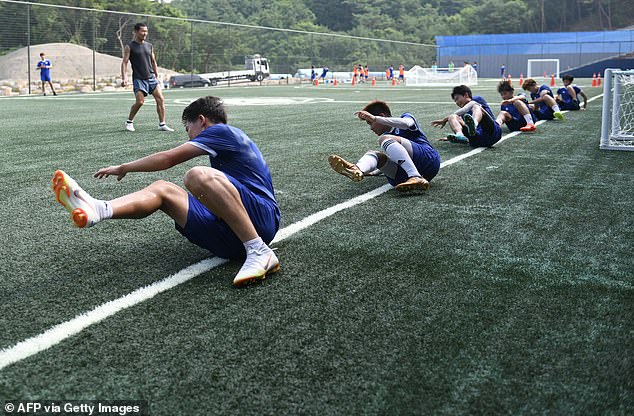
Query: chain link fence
(85, 47)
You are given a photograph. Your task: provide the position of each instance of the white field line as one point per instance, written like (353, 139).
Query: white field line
(60, 332)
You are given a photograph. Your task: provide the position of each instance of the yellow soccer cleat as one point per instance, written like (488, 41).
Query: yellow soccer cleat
(75, 200)
(347, 169)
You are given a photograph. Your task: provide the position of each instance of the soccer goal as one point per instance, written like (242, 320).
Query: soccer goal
(539, 67)
(617, 121)
(419, 76)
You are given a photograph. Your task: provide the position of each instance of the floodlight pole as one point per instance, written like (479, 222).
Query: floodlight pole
(28, 44)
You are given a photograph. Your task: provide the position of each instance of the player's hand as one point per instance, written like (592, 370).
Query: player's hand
(439, 123)
(117, 171)
(505, 102)
(124, 83)
(365, 116)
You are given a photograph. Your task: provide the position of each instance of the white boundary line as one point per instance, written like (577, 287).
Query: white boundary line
(60, 332)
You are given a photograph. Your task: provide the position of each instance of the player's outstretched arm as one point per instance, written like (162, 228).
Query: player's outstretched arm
(152, 163)
(440, 123)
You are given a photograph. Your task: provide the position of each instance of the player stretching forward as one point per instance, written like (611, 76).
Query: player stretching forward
(408, 160)
(543, 103)
(515, 111)
(473, 123)
(568, 95)
(230, 209)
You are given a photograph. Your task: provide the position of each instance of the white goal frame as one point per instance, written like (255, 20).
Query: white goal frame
(617, 127)
(529, 63)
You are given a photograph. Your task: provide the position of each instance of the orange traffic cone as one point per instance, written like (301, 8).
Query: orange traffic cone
(599, 79)
(393, 81)
(354, 81)
(510, 80)
(594, 80)
(521, 79)
(316, 82)
(374, 81)
(552, 80)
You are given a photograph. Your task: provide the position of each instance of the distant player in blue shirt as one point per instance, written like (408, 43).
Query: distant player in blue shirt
(324, 71)
(313, 74)
(230, 208)
(44, 66)
(473, 123)
(568, 95)
(407, 159)
(543, 102)
(515, 112)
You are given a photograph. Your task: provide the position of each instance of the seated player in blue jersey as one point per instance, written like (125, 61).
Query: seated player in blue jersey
(515, 112)
(230, 208)
(408, 160)
(473, 123)
(543, 101)
(568, 95)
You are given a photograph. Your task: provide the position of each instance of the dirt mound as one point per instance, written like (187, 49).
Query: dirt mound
(70, 62)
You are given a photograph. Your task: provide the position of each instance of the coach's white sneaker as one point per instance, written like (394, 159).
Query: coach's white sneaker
(129, 126)
(258, 264)
(75, 200)
(165, 127)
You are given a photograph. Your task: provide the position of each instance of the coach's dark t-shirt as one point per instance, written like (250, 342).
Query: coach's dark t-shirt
(140, 58)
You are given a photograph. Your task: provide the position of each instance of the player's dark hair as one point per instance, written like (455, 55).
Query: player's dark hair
(462, 90)
(528, 84)
(211, 107)
(568, 78)
(505, 86)
(139, 26)
(41, 53)
(377, 107)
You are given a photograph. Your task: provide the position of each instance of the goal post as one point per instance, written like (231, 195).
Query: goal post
(419, 76)
(539, 67)
(617, 120)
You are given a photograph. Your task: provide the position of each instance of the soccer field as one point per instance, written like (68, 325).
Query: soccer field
(507, 288)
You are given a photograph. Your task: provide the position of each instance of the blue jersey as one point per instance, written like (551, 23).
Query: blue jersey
(544, 112)
(485, 106)
(413, 134)
(234, 153)
(566, 98)
(45, 72)
(313, 75)
(577, 91)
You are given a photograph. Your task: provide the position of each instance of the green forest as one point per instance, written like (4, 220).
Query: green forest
(197, 46)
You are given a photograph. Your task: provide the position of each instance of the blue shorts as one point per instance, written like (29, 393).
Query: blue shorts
(46, 77)
(206, 230)
(572, 106)
(427, 162)
(487, 134)
(146, 86)
(515, 124)
(544, 113)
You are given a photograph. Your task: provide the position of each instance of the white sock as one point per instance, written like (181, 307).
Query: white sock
(397, 153)
(368, 162)
(556, 108)
(255, 244)
(162, 123)
(102, 208)
(528, 118)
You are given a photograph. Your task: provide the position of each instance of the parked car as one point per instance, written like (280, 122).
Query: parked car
(181, 81)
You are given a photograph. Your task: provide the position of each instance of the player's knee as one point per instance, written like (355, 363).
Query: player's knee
(199, 179)
(453, 117)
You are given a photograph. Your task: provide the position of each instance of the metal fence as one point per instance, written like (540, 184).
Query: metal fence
(85, 47)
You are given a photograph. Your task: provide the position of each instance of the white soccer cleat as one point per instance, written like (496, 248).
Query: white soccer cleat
(258, 264)
(75, 200)
(129, 126)
(165, 127)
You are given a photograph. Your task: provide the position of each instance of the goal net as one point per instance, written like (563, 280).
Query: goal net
(419, 76)
(617, 121)
(539, 67)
